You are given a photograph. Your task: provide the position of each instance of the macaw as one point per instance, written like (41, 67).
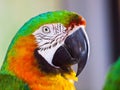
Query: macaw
(42, 52)
(113, 77)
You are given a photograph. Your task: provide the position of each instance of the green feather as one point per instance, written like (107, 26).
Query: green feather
(113, 78)
(8, 82)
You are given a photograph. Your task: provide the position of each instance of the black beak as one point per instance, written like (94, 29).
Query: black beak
(74, 51)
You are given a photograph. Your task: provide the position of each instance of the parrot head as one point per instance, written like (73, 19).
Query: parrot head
(51, 43)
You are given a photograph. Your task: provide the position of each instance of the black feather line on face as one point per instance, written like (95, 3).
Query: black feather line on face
(44, 66)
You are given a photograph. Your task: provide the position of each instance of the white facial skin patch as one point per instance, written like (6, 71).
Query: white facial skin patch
(50, 37)
(48, 33)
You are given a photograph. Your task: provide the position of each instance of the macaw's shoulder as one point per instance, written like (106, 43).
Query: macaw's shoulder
(8, 82)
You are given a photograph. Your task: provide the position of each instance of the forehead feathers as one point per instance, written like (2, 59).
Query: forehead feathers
(65, 17)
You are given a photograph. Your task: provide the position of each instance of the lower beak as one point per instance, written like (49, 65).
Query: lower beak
(74, 51)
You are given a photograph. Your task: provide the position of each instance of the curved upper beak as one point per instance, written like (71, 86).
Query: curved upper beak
(74, 51)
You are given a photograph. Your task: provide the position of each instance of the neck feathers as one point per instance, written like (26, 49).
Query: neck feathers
(20, 62)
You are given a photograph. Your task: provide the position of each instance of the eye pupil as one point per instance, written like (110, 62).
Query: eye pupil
(46, 29)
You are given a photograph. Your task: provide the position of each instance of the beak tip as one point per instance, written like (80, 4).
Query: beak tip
(81, 64)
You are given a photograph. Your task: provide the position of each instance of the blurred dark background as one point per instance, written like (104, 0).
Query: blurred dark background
(115, 21)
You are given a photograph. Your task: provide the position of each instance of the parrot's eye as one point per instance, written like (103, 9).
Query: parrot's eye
(45, 29)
